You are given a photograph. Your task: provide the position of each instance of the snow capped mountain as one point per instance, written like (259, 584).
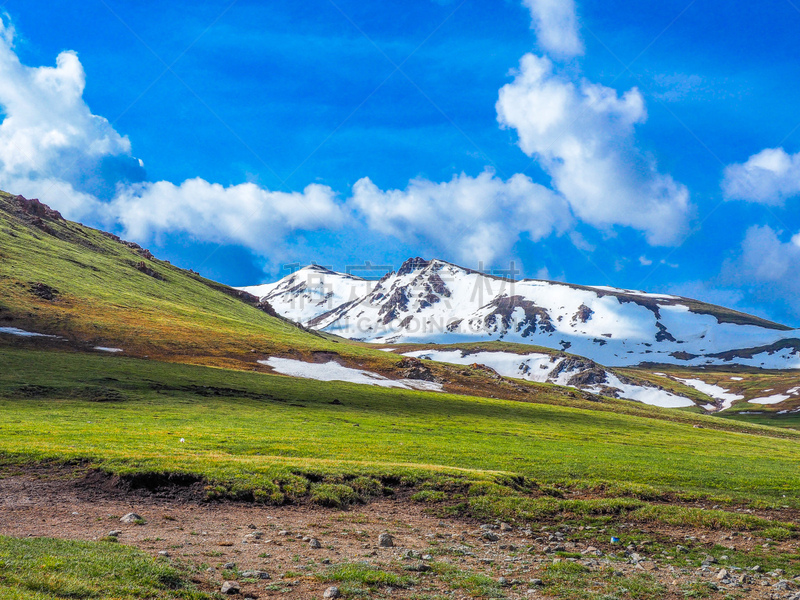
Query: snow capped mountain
(438, 302)
(311, 292)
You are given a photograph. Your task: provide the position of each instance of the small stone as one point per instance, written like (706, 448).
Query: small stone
(229, 566)
(114, 533)
(332, 592)
(230, 588)
(284, 532)
(537, 582)
(248, 574)
(385, 541)
(723, 574)
(131, 518)
(314, 543)
(503, 582)
(262, 575)
(419, 568)
(505, 527)
(490, 537)
(326, 561)
(164, 553)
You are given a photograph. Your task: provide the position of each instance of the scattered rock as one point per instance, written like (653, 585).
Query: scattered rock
(332, 592)
(131, 518)
(490, 537)
(114, 533)
(505, 527)
(315, 543)
(164, 553)
(385, 541)
(229, 566)
(230, 588)
(723, 574)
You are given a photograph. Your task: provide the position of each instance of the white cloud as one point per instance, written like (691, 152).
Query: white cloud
(49, 138)
(477, 218)
(644, 261)
(769, 177)
(556, 26)
(242, 214)
(583, 135)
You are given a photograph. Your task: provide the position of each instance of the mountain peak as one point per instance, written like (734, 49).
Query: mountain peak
(413, 264)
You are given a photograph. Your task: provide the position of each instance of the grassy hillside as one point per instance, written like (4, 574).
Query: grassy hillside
(63, 278)
(263, 433)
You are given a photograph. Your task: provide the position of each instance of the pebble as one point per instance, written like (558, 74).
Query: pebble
(164, 553)
(314, 543)
(114, 533)
(332, 592)
(385, 541)
(490, 537)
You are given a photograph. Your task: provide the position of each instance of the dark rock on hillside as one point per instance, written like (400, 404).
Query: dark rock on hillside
(583, 315)
(43, 291)
(412, 264)
(663, 334)
(589, 377)
(144, 268)
(37, 209)
(504, 308)
(397, 303)
(414, 368)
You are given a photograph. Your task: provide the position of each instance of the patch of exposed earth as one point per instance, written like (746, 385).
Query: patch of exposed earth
(270, 551)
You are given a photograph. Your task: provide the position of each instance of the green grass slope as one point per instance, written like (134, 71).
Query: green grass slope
(62, 278)
(270, 436)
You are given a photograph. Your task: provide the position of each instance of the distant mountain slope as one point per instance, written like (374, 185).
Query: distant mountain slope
(438, 302)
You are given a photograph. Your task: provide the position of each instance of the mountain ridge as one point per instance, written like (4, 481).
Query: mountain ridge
(435, 301)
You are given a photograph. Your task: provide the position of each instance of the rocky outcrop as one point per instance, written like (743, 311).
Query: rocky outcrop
(414, 368)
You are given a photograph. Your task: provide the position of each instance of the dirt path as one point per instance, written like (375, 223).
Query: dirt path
(275, 542)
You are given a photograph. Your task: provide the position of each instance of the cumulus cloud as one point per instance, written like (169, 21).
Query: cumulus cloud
(769, 177)
(583, 135)
(241, 214)
(49, 138)
(478, 218)
(556, 26)
(53, 147)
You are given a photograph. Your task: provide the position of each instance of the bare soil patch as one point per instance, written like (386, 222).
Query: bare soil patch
(80, 504)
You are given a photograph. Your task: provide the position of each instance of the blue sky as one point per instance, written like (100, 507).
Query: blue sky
(640, 145)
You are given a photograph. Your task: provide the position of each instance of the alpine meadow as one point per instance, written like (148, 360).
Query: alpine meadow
(490, 301)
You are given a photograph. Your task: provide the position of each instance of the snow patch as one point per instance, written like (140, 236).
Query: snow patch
(774, 399)
(537, 367)
(332, 371)
(104, 349)
(23, 333)
(715, 391)
(737, 378)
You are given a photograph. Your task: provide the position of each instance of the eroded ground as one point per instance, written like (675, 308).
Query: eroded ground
(269, 552)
